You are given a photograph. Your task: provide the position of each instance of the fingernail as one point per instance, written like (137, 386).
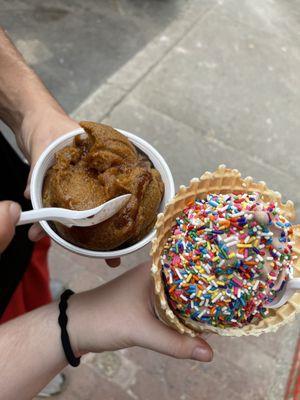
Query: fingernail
(201, 354)
(14, 211)
(113, 263)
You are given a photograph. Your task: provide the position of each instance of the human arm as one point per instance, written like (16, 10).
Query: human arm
(30, 110)
(26, 105)
(117, 315)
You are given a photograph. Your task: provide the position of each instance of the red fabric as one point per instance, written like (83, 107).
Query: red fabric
(34, 290)
(293, 385)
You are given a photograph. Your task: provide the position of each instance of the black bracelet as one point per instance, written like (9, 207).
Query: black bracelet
(63, 320)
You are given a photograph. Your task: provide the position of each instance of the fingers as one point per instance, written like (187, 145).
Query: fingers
(9, 216)
(27, 189)
(50, 126)
(36, 232)
(159, 337)
(113, 262)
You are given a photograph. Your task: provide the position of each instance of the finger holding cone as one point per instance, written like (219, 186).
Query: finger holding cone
(223, 180)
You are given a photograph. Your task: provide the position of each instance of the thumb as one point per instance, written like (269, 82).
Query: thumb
(27, 189)
(113, 262)
(159, 337)
(9, 216)
(33, 161)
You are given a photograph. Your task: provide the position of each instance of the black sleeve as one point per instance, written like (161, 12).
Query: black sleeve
(14, 260)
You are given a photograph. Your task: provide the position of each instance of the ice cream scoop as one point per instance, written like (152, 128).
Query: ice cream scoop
(96, 167)
(227, 257)
(227, 181)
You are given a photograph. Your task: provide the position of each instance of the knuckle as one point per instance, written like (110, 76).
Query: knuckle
(178, 348)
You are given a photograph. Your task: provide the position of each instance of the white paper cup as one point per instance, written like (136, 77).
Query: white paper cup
(46, 160)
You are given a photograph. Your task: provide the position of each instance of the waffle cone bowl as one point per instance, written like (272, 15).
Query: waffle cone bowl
(223, 180)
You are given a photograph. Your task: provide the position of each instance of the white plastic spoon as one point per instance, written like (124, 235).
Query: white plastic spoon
(292, 286)
(75, 218)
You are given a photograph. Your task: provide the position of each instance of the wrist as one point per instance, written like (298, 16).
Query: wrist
(90, 328)
(40, 126)
(77, 325)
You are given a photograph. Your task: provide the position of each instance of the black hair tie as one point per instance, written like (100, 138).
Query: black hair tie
(63, 321)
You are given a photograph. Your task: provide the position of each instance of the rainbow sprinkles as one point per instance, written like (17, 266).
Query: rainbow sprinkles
(226, 257)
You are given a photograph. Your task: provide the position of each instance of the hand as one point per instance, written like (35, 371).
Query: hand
(9, 216)
(121, 314)
(37, 132)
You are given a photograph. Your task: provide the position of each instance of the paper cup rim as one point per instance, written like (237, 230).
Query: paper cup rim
(141, 144)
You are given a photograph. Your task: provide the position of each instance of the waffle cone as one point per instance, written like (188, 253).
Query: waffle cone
(223, 180)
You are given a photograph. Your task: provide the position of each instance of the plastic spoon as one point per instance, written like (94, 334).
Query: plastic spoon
(75, 218)
(292, 286)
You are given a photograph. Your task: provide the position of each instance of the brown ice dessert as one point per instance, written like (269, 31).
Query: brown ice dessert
(98, 166)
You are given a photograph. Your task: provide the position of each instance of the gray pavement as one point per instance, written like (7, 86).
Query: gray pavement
(219, 86)
(219, 83)
(76, 45)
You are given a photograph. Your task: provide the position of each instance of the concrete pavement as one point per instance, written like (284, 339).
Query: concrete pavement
(76, 45)
(220, 84)
(217, 86)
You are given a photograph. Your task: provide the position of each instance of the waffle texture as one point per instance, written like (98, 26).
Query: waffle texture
(223, 180)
